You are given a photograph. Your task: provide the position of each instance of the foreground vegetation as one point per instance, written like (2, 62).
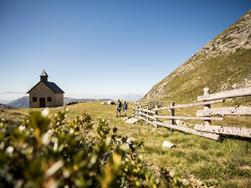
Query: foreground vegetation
(54, 152)
(198, 161)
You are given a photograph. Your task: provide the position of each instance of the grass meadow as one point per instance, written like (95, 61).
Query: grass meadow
(225, 163)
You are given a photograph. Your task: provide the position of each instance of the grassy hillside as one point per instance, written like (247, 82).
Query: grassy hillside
(199, 160)
(213, 73)
(224, 63)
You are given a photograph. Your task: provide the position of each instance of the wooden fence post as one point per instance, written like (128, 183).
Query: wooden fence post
(147, 114)
(138, 110)
(156, 113)
(136, 113)
(206, 91)
(172, 112)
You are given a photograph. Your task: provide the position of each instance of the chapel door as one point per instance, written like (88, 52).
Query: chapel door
(41, 102)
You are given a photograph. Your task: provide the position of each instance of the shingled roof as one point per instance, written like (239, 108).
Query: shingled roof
(54, 87)
(51, 85)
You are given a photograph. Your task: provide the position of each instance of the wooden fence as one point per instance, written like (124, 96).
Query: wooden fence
(208, 114)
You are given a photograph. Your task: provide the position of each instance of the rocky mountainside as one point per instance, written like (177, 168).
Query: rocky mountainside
(224, 63)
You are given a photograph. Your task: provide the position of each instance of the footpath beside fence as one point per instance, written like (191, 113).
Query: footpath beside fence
(150, 115)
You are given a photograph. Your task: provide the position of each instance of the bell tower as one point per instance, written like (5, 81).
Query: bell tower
(44, 76)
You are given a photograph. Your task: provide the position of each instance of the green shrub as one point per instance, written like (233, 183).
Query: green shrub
(51, 152)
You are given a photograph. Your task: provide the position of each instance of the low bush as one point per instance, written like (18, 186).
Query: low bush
(52, 152)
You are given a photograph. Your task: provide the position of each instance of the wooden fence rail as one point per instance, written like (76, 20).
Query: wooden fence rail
(189, 118)
(237, 131)
(225, 111)
(190, 130)
(225, 94)
(206, 129)
(190, 105)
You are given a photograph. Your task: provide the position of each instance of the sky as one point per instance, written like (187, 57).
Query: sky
(104, 48)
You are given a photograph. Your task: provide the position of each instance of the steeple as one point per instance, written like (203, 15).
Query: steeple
(44, 76)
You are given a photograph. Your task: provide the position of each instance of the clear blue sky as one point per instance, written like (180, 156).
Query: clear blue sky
(105, 48)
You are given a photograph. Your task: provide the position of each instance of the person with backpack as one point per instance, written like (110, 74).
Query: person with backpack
(125, 108)
(119, 106)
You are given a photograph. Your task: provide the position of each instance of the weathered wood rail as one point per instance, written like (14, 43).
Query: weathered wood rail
(224, 94)
(233, 111)
(208, 114)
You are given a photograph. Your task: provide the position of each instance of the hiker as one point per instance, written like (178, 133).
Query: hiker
(125, 108)
(119, 106)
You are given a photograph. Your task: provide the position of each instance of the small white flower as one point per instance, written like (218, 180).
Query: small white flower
(66, 109)
(128, 141)
(21, 128)
(10, 149)
(55, 147)
(46, 138)
(45, 112)
(71, 131)
(66, 173)
(50, 132)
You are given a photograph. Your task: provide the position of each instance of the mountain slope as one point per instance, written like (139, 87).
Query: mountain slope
(224, 63)
(22, 102)
(4, 106)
